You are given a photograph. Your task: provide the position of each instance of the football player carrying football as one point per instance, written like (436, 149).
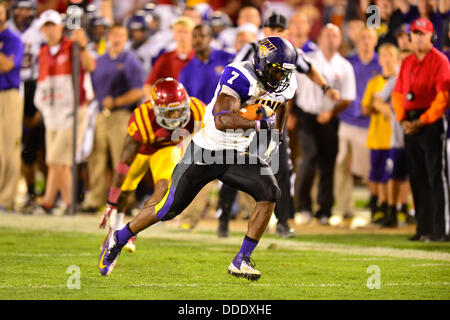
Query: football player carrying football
(154, 143)
(219, 151)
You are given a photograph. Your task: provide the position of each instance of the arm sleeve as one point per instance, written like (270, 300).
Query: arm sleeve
(133, 128)
(246, 53)
(398, 98)
(303, 64)
(348, 83)
(16, 50)
(441, 101)
(367, 99)
(386, 93)
(437, 108)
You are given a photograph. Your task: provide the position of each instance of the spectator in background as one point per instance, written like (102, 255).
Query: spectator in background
(97, 32)
(420, 99)
(55, 99)
(437, 12)
(318, 122)
(24, 25)
(446, 48)
(398, 185)
(245, 33)
(380, 134)
(390, 18)
(170, 64)
(201, 75)
(123, 10)
(117, 81)
(193, 14)
(354, 157)
(299, 28)
(350, 33)
(403, 43)
(246, 15)
(218, 21)
(144, 48)
(11, 111)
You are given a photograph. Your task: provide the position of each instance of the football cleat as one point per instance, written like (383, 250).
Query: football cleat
(109, 254)
(130, 246)
(246, 270)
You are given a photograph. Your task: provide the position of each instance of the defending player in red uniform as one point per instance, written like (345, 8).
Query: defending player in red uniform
(156, 134)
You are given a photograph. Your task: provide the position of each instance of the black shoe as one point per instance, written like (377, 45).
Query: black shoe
(283, 230)
(419, 237)
(437, 239)
(416, 237)
(222, 230)
(390, 220)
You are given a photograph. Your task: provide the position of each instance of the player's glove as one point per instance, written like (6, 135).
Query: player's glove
(266, 122)
(110, 207)
(274, 144)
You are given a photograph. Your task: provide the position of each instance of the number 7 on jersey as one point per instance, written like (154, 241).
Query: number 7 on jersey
(235, 75)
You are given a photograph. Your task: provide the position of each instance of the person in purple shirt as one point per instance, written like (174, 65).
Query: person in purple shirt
(353, 157)
(11, 111)
(117, 81)
(201, 75)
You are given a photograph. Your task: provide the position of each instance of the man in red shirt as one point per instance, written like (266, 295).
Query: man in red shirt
(170, 64)
(420, 98)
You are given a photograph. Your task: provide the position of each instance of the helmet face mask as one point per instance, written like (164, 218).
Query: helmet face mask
(276, 77)
(274, 63)
(173, 116)
(171, 104)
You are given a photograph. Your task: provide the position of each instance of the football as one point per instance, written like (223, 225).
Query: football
(255, 111)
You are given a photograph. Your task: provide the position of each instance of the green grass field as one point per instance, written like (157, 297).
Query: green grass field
(170, 264)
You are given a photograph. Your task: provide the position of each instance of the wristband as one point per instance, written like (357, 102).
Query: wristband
(114, 194)
(122, 168)
(325, 88)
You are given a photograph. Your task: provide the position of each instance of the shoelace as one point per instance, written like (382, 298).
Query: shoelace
(114, 251)
(249, 261)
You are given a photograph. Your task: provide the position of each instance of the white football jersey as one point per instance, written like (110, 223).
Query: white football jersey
(32, 39)
(239, 80)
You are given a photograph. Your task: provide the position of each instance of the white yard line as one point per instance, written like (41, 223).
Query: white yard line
(89, 224)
